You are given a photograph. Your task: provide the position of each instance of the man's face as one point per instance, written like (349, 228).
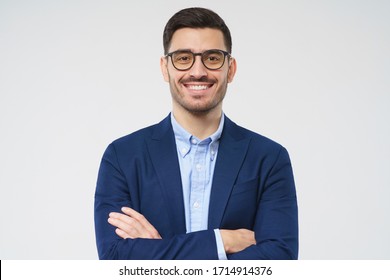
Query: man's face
(198, 90)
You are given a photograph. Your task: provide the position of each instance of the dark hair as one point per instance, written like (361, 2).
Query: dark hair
(195, 18)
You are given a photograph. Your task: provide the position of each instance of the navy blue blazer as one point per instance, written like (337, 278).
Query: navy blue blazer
(253, 188)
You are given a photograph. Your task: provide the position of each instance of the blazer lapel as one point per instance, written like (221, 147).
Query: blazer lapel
(163, 153)
(231, 153)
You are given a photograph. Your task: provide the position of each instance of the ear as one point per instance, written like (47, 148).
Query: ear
(164, 68)
(232, 69)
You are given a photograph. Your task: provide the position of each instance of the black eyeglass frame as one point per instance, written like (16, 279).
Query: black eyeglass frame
(225, 54)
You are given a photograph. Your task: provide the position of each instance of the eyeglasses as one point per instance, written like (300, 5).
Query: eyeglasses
(183, 60)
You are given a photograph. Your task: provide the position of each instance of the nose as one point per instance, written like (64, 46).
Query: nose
(198, 70)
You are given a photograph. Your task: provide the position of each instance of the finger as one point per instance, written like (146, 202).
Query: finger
(131, 212)
(131, 226)
(143, 221)
(122, 233)
(125, 218)
(130, 221)
(137, 228)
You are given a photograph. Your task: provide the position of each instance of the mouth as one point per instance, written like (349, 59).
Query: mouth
(198, 87)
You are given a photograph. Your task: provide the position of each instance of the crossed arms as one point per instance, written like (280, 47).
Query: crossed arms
(132, 224)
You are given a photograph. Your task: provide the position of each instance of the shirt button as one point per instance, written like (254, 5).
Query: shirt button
(212, 152)
(193, 141)
(196, 204)
(183, 151)
(198, 167)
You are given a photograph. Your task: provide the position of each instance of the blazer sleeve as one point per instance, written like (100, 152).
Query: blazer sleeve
(111, 194)
(276, 222)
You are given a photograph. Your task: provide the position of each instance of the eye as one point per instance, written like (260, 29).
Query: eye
(183, 58)
(213, 57)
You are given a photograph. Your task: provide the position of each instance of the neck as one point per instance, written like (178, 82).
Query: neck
(200, 125)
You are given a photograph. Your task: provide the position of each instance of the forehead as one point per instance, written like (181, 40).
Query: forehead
(197, 39)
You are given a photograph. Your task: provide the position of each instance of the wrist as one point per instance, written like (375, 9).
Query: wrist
(226, 237)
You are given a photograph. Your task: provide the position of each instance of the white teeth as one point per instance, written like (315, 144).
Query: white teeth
(198, 87)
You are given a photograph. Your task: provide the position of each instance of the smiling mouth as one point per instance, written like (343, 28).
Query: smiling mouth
(197, 87)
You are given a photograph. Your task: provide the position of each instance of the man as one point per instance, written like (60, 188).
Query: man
(196, 185)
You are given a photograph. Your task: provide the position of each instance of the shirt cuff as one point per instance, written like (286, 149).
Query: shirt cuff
(220, 247)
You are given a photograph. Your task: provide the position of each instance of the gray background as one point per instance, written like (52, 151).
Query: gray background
(312, 75)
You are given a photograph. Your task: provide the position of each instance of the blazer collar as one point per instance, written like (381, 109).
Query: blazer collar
(231, 154)
(162, 150)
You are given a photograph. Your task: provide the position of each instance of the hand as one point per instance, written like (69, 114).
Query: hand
(237, 240)
(132, 225)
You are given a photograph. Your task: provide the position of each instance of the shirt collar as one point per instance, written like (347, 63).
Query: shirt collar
(184, 138)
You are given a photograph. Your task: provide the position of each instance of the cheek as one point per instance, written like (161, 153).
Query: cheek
(173, 76)
(223, 79)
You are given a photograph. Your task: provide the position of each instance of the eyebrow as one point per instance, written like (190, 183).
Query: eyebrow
(182, 50)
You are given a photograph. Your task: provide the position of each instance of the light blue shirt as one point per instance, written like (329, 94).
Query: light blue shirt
(197, 160)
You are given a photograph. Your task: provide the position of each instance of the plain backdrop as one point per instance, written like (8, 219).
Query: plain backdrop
(312, 75)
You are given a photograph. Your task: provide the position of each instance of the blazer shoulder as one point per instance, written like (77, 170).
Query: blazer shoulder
(138, 137)
(265, 149)
(257, 140)
(134, 137)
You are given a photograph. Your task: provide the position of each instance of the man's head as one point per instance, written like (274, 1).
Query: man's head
(196, 18)
(197, 62)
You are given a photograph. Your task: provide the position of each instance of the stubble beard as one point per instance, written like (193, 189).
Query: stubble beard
(197, 108)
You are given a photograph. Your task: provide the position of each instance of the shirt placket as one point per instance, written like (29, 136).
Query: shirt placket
(198, 182)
